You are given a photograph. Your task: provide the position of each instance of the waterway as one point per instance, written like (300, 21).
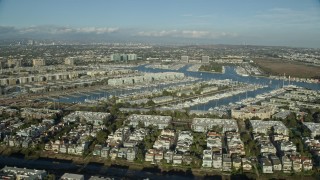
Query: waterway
(229, 74)
(58, 167)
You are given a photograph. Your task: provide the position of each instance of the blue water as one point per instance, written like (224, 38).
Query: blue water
(229, 74)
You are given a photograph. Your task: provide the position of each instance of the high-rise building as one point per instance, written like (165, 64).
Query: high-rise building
(185, 58)
(205, 59)
(38, 62)
(69, 61)
(132, 57)
(123, 57)
(115, 57)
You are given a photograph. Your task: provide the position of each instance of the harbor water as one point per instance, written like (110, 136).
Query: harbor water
(229, 73)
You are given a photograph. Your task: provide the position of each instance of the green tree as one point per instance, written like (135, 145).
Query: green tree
(150, 103)
(101, 137)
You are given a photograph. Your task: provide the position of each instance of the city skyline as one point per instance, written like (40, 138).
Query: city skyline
(285, 23)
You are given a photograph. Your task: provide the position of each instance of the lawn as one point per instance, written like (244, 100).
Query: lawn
(294, 69)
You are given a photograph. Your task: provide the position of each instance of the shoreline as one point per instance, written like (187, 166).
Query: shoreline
(123, 168)
(57, 158)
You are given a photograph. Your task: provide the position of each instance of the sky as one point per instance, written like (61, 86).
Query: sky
(269, 22)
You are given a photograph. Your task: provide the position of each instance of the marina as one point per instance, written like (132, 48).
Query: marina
(266, 85)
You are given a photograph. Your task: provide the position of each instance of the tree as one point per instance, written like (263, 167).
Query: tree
(166, 93)
(150, 103)
(101, 136)
(140, 153)
(308, 118)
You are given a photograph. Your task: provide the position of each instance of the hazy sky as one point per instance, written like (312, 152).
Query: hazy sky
(268, 22)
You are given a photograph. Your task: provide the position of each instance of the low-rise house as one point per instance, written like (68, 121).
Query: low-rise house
(234, 143)
(226, 162)
(286, 146)
(207, 158)
(266, 165)
(117, 138)
(113, 153)
(276, 163)
(280, 129)
(82, 147)
(214, 142)
(168, 156)
(26, 143)
(246, 164)
(131, 154)
(279, 137)
(97, 150)
(296, 163)
(13, 141)
(48, 146)
(163, 143)
(105, 152)
(306, 163)
(177, 159)
(72, 149)
(56, 146)
(267, 148)
(286, 164)
(158, 156)
(236, 163)
(63, 148)
(122, 153)
(165, 140)
(130, 143)
(186, 159)
(185, 140)
(149, 156)
(217, 161)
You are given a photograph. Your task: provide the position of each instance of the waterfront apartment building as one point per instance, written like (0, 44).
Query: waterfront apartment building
(185, 58)
(205, 59)
(248, 112)
(38, 62)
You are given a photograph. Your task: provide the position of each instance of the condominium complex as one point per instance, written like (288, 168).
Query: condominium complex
(38, 62)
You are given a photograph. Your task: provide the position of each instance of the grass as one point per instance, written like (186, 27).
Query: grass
(212, 67)
(294, 69)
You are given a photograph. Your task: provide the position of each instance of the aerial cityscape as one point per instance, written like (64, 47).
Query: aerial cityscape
(159, 89)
